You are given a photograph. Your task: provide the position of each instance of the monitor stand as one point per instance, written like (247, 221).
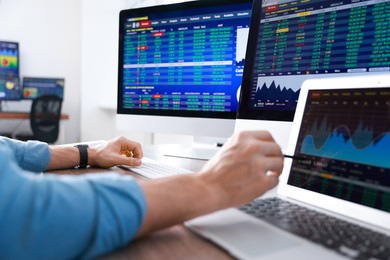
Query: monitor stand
(203, 148)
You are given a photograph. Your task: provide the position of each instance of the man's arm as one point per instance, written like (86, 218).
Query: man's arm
(38, 156)
(117, 151)
(32, 156)
(247, 166)
(65, 217)
(87, 216)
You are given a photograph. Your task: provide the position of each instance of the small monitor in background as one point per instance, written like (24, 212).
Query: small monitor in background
(9, 60)
(35, 87)
(10, 89)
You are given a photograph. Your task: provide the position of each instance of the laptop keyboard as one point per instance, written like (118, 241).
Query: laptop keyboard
(344, 237)
(153, 169)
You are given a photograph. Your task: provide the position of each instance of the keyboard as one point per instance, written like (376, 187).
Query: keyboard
(346, 238)
(153, 169)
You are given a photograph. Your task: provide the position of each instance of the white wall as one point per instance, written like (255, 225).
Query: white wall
(100, 27)
(77, 40)
(99, 67)
(48, 32)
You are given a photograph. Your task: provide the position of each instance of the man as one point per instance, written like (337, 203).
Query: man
(64, 217)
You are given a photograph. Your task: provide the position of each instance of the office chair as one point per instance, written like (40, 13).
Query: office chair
(44, 119)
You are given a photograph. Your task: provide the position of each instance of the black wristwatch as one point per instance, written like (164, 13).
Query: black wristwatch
(83, 150)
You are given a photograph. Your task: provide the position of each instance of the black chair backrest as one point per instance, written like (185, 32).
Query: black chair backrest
(45, 118)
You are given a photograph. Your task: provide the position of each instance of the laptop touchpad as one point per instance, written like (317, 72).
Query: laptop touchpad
(243, 236)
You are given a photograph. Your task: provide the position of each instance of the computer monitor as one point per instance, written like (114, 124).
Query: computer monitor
(9, 72)
(291, 41)
(9, 59)
(181, 65)
(10, 89)
(35, 87)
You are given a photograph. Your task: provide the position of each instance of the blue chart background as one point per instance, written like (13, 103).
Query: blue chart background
(337, 147)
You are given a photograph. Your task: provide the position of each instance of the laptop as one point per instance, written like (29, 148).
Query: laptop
(338, 186)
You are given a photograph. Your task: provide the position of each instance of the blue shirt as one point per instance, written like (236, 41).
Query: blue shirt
(62, 217)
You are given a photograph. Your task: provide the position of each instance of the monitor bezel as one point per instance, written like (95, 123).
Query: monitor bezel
(139, 12)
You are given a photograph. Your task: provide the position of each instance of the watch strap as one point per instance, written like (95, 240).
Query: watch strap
(83, 150)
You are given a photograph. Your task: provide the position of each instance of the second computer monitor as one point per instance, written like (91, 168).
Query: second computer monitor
(34, 87)
(291, 41)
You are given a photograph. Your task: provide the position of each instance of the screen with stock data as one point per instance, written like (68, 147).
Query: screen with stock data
(344, 145)
(183, 60)
(296, 40)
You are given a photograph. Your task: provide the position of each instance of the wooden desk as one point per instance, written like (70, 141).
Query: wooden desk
(177, 242)
(23, 115)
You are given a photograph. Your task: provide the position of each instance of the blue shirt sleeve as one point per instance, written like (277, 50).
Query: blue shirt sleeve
(64, 217)
(32, 156)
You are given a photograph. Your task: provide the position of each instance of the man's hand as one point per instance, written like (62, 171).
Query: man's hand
(247, 166)
(118, 151)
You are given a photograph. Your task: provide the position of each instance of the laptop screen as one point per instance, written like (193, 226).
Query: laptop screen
(344, 145)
